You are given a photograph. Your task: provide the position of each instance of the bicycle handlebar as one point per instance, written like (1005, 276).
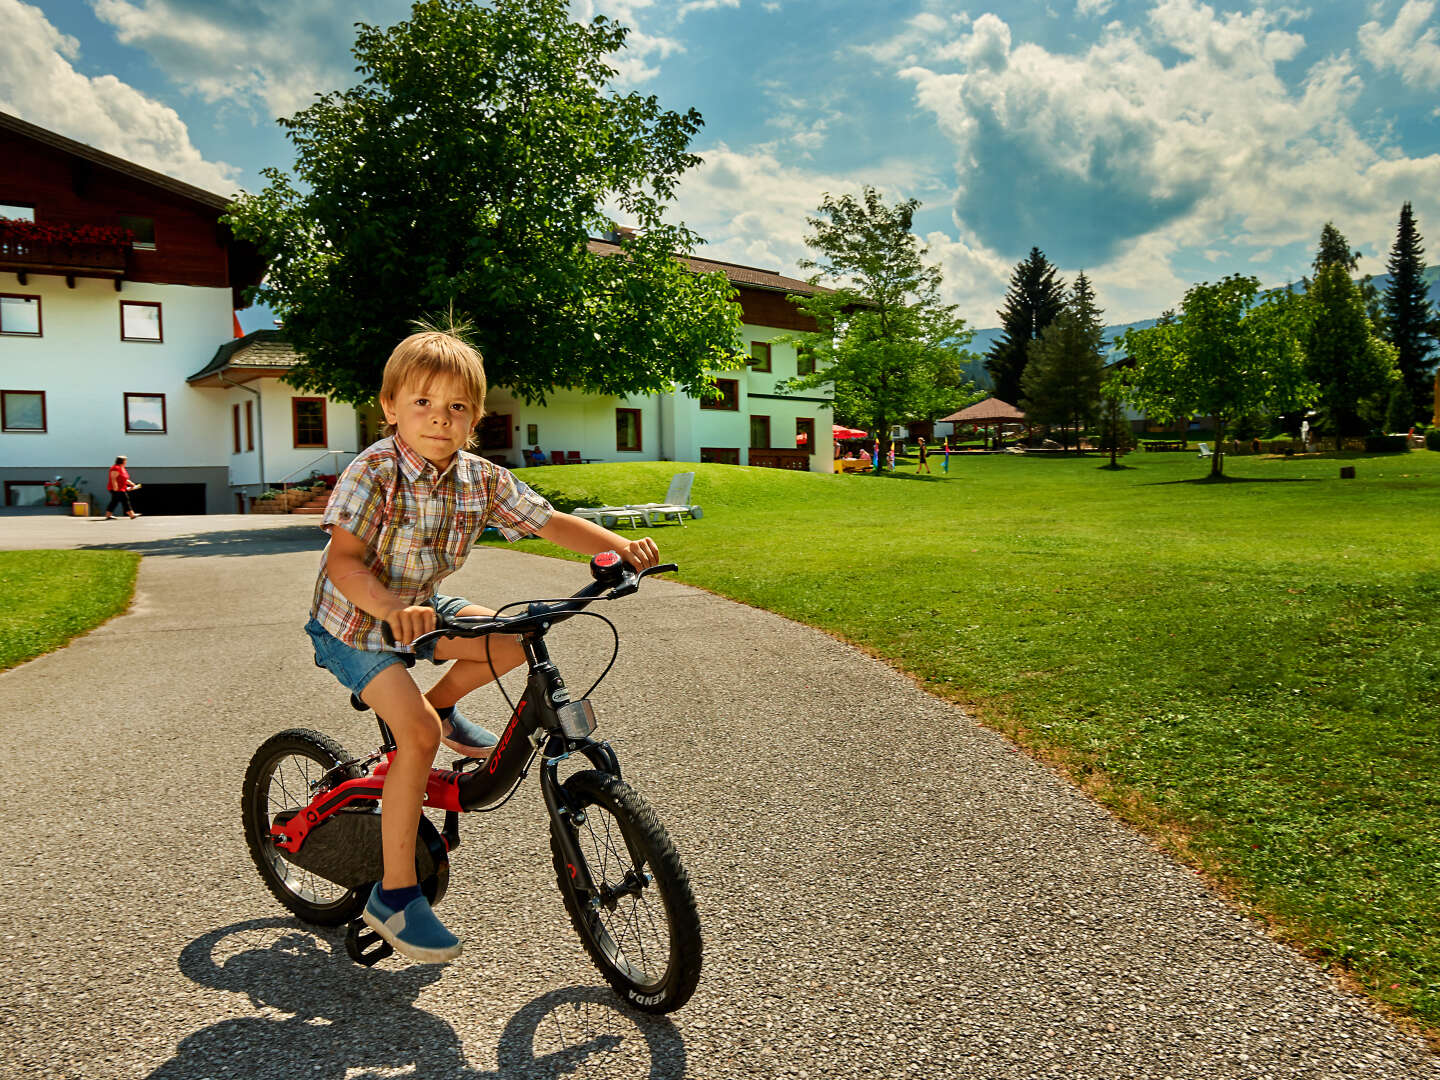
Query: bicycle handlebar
(541, 614)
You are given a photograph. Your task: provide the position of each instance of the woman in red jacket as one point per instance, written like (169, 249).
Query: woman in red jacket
(120, 486)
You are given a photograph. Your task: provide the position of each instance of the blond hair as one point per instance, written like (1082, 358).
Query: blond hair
(431, 354)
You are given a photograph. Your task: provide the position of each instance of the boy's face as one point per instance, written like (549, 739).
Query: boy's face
(435, 420)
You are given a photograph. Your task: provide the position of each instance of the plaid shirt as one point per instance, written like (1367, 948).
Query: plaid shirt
(417, 525)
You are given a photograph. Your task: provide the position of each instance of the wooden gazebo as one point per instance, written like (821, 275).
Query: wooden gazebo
(992, 412)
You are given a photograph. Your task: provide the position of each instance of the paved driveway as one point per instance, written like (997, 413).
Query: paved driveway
(887, 889)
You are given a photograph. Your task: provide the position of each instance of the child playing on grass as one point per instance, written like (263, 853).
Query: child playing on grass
(402, 517)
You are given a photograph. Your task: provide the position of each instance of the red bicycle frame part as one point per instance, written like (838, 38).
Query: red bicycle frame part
(442, 791)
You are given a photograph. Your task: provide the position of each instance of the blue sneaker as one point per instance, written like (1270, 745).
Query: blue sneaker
(413, 931)
(466, 737)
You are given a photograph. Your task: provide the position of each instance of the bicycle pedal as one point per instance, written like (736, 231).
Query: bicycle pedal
(364, 946)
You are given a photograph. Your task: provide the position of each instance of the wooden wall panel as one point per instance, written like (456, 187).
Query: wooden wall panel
(189, 245)
(763, 307)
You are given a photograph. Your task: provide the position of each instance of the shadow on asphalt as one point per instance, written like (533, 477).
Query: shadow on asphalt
(271, 541)
(346, 1020)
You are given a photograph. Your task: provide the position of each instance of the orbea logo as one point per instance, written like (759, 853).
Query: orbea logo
(505, 739)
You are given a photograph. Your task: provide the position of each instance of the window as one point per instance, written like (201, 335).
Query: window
(759, 356)
(495, 432)
(24, 492)
(19, 315)
(17, 211)
(719, 455)
(627, 429)
(143, 229)
(532, 434)
(804, 361)
(22, 410)
(307, 421)
(145, 414)
(759, 433)
(249, 425)
(805, 434)
(140, 321)
(235, 418)
(729, 398)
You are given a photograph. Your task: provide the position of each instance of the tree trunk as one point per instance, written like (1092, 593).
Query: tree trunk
(1217, 459)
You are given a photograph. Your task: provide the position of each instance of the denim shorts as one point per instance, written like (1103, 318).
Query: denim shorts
(356, 667)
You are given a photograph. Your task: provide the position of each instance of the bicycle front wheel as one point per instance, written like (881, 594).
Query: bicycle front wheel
(640, 926)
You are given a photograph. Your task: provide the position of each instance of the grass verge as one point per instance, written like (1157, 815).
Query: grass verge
(53, 596)
(1248, 669)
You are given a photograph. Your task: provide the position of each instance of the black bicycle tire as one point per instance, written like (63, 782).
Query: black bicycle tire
(640, 825)
(329, 754)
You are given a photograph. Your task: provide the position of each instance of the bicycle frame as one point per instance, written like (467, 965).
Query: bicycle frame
(545, 721)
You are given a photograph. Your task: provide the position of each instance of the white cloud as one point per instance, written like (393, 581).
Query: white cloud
(1092, 7)
(687, 7)
(1118, 158)
(1404, 47)
(271, 52)
(39, 83)
(751, 207)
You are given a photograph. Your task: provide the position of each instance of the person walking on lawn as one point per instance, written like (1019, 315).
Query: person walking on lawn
(119, 484)
(924, 464)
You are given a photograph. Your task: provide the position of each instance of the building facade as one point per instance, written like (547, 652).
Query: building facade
(118, 287)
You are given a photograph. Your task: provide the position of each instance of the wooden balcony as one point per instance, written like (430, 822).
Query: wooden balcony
(70, 260)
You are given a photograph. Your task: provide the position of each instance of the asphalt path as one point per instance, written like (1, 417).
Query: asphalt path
(886, 888)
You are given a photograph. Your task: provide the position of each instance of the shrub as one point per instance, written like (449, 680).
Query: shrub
(1386, 444)
(1432, 439)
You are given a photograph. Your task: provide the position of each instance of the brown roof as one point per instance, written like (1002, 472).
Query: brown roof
(990, 409)
(750, 277)
(110, 161)
(257, 354)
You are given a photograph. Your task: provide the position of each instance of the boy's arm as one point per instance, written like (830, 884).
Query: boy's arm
(345, 566)
(588, 538)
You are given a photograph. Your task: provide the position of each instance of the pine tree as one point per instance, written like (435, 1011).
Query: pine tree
(1035, 299)
(1335, 249)
(1408, 318)
(1352, 368)
(1061, 383)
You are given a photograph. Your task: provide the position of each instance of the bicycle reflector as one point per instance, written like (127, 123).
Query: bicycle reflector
(577, 719)
(607, 568)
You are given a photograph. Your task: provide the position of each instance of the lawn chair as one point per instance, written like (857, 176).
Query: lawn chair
(557, 457)
(1205, 451)
(677, 502)
(572, 457)
(610, 517)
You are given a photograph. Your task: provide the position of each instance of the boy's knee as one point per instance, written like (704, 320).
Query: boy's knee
(419, 730)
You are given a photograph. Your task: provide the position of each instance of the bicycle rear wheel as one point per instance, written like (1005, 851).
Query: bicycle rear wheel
(640, 928)
(281, 778)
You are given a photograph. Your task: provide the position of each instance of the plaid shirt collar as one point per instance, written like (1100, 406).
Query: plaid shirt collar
(413, 466)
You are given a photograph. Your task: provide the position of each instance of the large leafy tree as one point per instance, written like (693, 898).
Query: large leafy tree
(462, 177)
(1352, 368)
(1061, 382)
(891, 350)
(1035, 299)
(1409, 322)
(1225, 356)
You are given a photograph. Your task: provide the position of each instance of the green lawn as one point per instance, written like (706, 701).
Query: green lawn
(53, 596)
(1250, 670)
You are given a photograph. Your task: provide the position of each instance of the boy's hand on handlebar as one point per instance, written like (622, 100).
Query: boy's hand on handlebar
(641, 554)
(408, 623)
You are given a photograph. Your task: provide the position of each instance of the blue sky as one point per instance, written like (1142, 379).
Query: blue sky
(1153, 144)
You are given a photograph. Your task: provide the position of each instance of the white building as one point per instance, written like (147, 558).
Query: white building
(113, 344)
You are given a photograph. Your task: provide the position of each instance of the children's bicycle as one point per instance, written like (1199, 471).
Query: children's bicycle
(312, 816)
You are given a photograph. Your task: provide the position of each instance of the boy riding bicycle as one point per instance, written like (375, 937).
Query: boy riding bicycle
(403, 517)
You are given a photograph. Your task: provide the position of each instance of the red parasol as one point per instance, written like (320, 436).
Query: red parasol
(839, 431)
